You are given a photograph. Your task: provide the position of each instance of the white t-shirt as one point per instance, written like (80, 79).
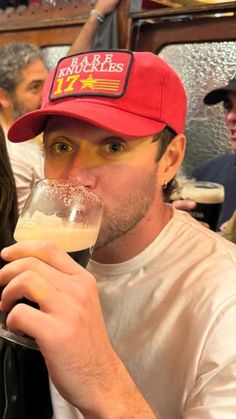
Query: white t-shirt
(27, 165)
(171, 316)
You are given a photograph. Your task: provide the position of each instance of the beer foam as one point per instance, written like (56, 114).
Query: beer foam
(69, 236)
(203, 195)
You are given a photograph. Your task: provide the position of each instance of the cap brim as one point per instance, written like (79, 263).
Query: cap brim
(217, 95)
(116, 120)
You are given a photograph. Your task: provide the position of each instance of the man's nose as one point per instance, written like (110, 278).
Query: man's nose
(40, 99)
(231, 115)
(83, 171)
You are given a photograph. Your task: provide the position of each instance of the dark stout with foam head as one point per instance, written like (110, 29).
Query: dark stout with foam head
(65, 214)
(77, 240)
(209, 197)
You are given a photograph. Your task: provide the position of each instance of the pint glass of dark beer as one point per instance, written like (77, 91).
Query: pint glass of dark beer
(209, 197)
(64, 213)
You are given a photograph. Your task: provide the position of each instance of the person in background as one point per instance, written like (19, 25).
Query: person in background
(19, 369)
(8, 198)
(22, 75)
(149, 330)
(222, 169)
(100, 30)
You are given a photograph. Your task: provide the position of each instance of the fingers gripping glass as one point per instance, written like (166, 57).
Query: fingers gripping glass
(64, 213)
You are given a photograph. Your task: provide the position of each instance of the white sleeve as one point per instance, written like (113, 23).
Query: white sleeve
(27, 167)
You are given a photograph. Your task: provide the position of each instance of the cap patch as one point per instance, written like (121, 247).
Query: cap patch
(92, 74)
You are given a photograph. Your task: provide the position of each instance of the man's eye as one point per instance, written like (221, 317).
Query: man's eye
(35, 87)
(114, 147)
(61, 148)
(227, 105)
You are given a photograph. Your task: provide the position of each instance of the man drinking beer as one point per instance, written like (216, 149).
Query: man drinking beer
(148, 330)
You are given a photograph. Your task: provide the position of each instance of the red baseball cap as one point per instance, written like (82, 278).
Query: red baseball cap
(132, 94)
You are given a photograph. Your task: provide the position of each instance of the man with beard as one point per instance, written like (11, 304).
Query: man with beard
(222, 169)
(148, 330)
(22, 75)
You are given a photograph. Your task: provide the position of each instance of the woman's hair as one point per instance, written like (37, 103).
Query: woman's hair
(165, 137)
(8, 198)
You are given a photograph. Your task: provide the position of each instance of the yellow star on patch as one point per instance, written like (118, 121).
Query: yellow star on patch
(100, 84)
(89, 82)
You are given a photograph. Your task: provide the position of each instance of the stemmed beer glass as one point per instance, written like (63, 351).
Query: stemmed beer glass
(64, 213)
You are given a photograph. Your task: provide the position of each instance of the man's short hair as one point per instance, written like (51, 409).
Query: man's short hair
(164, 138)
(14, 57)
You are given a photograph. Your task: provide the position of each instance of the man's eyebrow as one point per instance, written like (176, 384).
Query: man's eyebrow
(36, 81)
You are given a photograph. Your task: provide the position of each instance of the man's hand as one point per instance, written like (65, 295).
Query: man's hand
(69, 329)
(184, 204)
(84, 40)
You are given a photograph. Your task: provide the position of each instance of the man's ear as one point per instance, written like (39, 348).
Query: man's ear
(172, 158)
(5, 101)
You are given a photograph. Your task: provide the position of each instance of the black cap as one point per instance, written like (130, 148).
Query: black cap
(218, 95)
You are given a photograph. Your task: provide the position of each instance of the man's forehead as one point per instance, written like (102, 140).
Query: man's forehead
(35, 70)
